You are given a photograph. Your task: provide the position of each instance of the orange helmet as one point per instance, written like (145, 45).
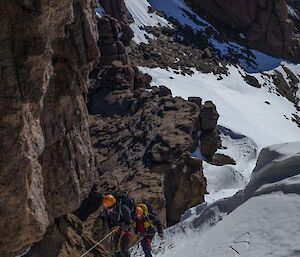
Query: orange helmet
(139, 212)
(109, 201)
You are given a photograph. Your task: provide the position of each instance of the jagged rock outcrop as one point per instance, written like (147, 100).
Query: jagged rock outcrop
(110, 42)
(172, 49)
(118, 10)
(265, 23)
(46, 162)
(210, 139)
(136, 147)
(141, 137)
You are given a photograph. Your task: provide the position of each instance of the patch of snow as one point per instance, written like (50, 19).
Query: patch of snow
(292, 12)
(225, 181)
(268, 225)
(179, 10)
(242, 35)
(141, 16)
(261, 62)
(100, 11)
(242, 108)
(24, 253)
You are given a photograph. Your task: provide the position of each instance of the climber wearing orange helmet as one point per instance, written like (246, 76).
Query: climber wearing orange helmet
(145, 226)
(118, 215)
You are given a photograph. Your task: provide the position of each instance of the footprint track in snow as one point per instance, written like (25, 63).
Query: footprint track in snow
(240, 244)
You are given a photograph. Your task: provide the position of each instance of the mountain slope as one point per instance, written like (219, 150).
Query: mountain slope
(261, 220)
(257, 95)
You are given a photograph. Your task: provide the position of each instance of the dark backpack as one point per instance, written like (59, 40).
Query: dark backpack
(126, 199)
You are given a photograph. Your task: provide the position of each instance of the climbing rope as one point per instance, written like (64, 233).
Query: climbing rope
(99, 242)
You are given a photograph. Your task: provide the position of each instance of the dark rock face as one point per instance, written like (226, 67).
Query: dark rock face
(265, 23)
(183, 186)
(110, 43)
(118, 10)
(46, 163)
(209, 135)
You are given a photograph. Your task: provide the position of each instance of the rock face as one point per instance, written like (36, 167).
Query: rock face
(142, 138)
(46, 163)
(265, 23)
(135, 138)
(67, 238)
(142, 141)
(118, 10)
(183, 186)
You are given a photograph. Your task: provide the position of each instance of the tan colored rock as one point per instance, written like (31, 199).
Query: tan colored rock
(46, 163)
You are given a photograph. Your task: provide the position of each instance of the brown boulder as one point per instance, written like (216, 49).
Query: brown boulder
(208, 116)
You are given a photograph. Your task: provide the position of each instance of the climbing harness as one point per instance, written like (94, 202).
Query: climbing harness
(99, 242)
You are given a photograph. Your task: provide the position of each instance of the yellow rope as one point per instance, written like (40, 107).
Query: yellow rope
(99, 242)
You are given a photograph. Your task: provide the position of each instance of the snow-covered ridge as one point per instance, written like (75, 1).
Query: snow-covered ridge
(262, 220)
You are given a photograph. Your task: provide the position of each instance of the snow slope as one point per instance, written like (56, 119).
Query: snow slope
(264, 226)
(262, 220)
(242, 108)
(224, 181)
(259, 114)
(142, 18)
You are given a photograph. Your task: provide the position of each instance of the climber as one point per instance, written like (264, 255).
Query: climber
(118, 217)
(145, 227)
